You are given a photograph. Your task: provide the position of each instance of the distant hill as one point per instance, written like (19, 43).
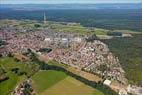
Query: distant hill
(71, 6)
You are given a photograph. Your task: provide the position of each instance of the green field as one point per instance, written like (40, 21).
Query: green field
(8, 63)
(97, 92)
(7, 86)
(68, 28)
(23, 71)
(58, 83)
(45, 79)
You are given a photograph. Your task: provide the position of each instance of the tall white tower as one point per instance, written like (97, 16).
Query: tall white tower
(44, 18)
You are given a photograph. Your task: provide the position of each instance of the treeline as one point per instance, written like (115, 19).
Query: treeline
(45, 50)
(44, 66)
(114, 33)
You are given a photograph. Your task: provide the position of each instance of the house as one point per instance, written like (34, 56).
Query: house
(77, 39)
(48, 39)
(123, 92)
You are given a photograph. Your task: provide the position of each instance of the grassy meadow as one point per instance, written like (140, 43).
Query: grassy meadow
(58, 83)
(13, 79)
(24, 70)
(45, 79)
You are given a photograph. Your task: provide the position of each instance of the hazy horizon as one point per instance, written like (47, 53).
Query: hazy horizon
(67, 1)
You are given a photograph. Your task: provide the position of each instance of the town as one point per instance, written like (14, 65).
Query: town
(72, 49)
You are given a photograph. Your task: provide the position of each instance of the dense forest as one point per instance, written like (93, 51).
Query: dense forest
(129, 52)
(113, 19)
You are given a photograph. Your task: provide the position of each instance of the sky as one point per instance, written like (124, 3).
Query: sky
(66, 1)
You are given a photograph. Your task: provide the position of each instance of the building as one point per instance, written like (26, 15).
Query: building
(134, 90)
(77, 39)
(126, 35)
(123, 92)
(107, 82)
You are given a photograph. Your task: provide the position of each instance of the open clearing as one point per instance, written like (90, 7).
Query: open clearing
(70, 86)
(13, 79)
(45, 79)
(58, 83)
(7, 86)
(84, 74)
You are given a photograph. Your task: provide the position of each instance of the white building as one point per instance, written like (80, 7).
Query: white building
(64, 40)
(107, 82)
(48, 39)
(77, 39)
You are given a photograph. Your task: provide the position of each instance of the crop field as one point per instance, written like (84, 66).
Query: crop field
(45, 79)
(58, 83)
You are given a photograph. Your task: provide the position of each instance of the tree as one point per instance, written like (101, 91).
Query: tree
(92, 38)
(37, 25)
